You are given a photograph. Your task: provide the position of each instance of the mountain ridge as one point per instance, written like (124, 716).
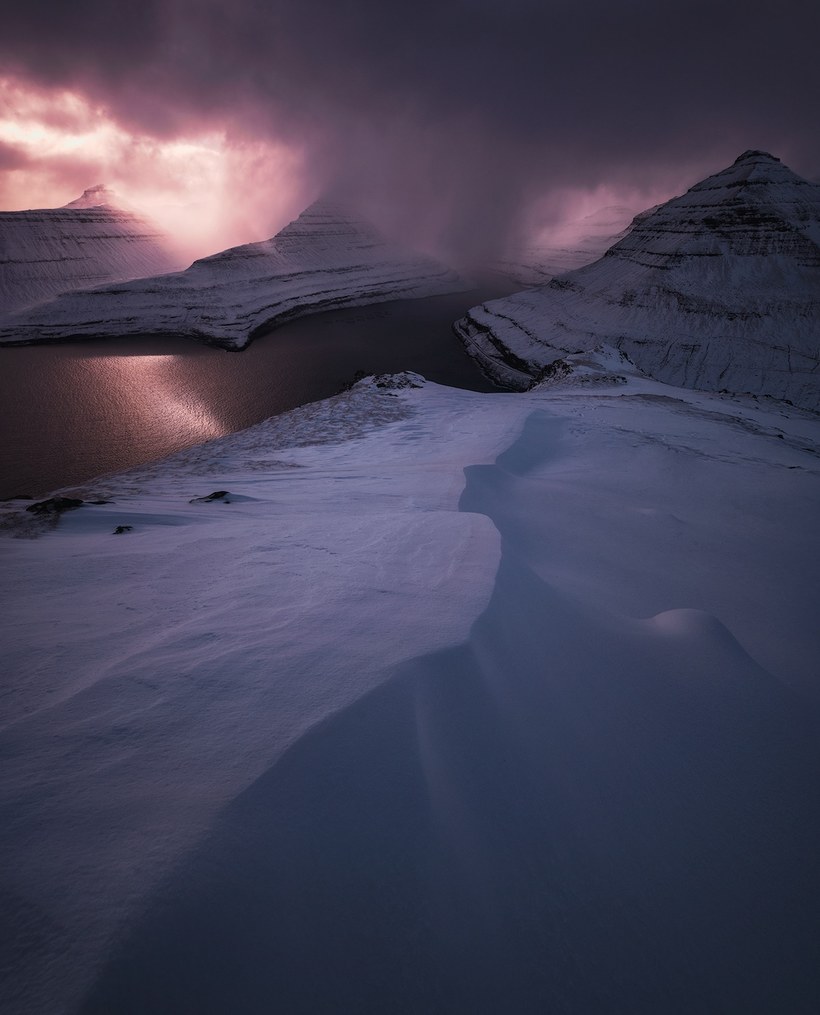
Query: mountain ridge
(325, 259)
(716, 289)
(48, 251)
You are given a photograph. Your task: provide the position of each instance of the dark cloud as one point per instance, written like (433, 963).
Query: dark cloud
(449, 116)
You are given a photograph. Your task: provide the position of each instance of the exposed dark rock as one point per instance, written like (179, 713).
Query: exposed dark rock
(390, 382)
(54, 505)
(220, 495)
(395, 382)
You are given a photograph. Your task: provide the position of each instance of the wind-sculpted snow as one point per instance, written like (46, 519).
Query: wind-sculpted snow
(718, 289)
(87, 243)
(324, 260)
(421, 700)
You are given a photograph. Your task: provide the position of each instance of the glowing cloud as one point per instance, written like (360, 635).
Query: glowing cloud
(209, 191)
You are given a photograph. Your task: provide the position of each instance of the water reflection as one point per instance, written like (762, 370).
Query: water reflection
(152, 394)
(71, 412)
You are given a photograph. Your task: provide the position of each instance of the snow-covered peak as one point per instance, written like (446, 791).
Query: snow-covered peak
(756, 155)
(92, 240)
(326, 231)
(328, 228)
(756, 177)
(326, 216)
(95, 197)
(326, 258)
(716, 289)
(757, 207)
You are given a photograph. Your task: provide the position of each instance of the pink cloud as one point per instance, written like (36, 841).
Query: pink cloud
(209, 189)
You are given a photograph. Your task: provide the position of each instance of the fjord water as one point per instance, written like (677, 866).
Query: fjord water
(74, 411)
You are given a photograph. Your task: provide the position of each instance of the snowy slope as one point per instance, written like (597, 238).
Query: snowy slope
(86, 243)
(569, 247)
(717, 289)
(325, 259)
(456, 702)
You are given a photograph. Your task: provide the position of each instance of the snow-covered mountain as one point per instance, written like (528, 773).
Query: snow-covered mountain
(423, 700)
(88, 242)
(566, 248)
(325, 259)
(718, 289)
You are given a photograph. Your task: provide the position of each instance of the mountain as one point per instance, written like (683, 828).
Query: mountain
(570, 246)
(95, 197)
(718, 289)
(90, 241)
(325, 259)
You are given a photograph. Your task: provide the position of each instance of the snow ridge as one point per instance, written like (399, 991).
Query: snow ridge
(327, 258)
(718, 289)
(90, 241)
(503, 704)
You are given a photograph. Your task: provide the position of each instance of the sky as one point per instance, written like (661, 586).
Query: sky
(461, 125)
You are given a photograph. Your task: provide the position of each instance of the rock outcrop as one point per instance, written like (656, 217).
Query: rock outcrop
(718, 289)
(325, 259)
(89, 242)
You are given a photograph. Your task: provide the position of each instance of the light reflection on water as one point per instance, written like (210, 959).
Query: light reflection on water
(151, 395)
(71, 412)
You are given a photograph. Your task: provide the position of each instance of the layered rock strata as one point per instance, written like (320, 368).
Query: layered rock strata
(718, 289)
(89, 242)
(325, 259)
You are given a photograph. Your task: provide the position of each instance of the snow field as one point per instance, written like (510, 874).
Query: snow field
(461, 702)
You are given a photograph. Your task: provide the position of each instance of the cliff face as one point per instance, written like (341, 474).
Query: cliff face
(324, 259)
(89, 242)
(716, 289)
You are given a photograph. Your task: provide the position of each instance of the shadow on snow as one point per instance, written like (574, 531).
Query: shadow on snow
(571, 812)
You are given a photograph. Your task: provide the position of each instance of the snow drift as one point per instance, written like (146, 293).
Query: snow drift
(325, 259)
(88, 242)
(423, 700)
(718, 289)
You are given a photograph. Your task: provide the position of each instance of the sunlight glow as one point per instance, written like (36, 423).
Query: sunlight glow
(209, 191)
